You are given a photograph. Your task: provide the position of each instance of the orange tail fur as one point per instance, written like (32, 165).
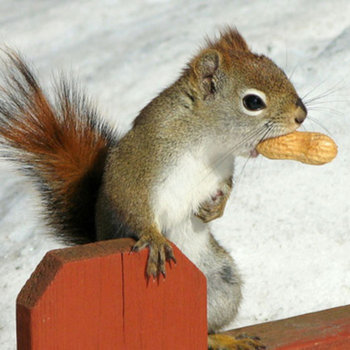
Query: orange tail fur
(62, 146)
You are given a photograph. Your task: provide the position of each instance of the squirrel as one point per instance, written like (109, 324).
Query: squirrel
(169, 175)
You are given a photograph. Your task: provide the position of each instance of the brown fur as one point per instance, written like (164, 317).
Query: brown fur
(230, 41)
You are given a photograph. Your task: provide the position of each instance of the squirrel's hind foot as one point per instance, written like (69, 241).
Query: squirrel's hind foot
(227, 342)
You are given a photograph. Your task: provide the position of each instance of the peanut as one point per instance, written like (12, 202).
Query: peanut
(306, 147)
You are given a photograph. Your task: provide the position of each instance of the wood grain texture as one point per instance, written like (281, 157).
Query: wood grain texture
(323, 330)
(97, 296)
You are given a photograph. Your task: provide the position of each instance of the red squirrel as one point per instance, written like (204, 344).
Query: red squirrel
(169, 176)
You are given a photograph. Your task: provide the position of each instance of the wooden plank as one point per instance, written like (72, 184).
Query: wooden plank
(97, 296)
(177, 304)
(63, 303)
(323, 330)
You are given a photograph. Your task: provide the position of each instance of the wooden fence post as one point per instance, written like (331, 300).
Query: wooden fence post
(97, 296)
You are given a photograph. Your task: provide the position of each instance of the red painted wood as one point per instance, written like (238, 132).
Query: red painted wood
(97, 297)
(178, 307)
(323, 330)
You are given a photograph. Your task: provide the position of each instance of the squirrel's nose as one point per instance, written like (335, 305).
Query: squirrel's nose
(302, 112)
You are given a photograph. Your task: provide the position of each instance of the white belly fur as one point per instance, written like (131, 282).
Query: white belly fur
(177, 195)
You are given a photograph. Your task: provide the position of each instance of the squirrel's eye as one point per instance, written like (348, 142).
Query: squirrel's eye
(253, 102)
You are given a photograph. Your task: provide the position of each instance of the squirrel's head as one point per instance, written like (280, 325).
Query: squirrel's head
(248, 91)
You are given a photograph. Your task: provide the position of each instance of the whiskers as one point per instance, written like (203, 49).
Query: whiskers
(324, 98)
(317, 123)
(272, 129)
(324, 102)
(248, 140)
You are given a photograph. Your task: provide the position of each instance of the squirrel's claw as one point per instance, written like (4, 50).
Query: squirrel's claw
(170, 254)
(160, 251)
(139, 245)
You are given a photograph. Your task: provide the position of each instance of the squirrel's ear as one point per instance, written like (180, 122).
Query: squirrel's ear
(204, 66)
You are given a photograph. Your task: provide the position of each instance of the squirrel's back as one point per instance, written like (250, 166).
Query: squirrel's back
(60, 145)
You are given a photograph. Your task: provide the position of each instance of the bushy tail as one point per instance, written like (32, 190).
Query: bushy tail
(61, 145)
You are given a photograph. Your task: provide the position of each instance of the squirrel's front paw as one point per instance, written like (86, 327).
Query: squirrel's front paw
(213, 208)
(160, 251)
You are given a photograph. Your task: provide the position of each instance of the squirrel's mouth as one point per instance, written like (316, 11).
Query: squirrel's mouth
(251, 150)
(253, 153)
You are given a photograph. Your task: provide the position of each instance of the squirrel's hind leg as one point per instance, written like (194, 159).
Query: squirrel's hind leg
(224, 295)
(223, 286)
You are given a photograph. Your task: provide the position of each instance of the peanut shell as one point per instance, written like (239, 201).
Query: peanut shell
(306, 147)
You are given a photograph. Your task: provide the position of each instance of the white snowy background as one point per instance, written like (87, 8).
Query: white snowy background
(287, 224)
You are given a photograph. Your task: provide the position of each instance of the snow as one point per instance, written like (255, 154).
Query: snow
(287, 224)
